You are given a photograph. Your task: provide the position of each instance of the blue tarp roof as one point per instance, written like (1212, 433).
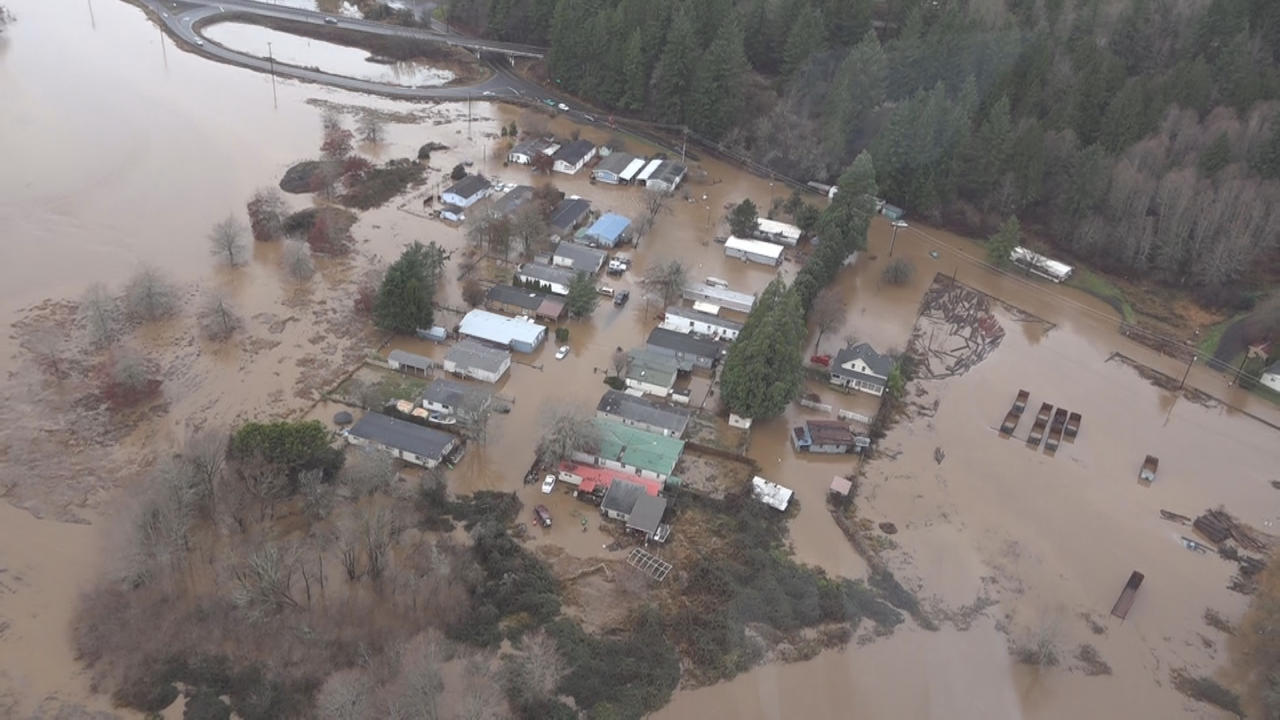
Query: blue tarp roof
(609, 227)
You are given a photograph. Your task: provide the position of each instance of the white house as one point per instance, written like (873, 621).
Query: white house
(759, 251)
(553, 279)
(1271, 376)
(777, 232)
(519, 334)
(450, 397)
(570, 158)
(523, 153)
(721, 297)
(651, 373)
(691, 322)
(667, 177)
(467, 191)
(477, 360)
(861, 368)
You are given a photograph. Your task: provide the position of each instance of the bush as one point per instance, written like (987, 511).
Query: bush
(562, 334)
(204, 704)
(512, 581)
(459, 171)
(1207, 690)
(899, 271)
(615, 382)
(628, 676)
(294, 446)
(376, 186)
(309, 176)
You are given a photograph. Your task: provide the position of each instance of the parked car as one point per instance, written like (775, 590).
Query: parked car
(542, 516)
(621, 298)
(563, 352)
(548, 484)
(563, 107)
(549, 103)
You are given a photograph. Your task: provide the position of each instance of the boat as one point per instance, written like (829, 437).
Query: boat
(1055, 430)
(1125, 601)
(1042, 422)
(439, 419)
(1149, 467)
(1073, 424)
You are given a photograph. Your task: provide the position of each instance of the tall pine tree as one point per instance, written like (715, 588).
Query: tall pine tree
(716, 100)
(764, 370)
(807, 36)
(635, 73)
(675, 70)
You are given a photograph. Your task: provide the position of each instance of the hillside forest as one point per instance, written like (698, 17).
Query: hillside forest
(1139, 135)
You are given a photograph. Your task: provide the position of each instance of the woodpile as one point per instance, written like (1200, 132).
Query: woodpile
(956, 329)
(1219, 526)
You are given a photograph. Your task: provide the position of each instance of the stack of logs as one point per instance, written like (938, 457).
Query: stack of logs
(973, 331)
(1220, 527)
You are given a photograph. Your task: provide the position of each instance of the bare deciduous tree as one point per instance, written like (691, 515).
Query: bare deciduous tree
(267, 210)
(48, 344)
(264, 481)
(654, 203)
(346, 538)
(128, 377)
(226, 241)
(828, 311)
(264, 582)
(162, 524)
(101, 314)
(666, 281)
(372, 129)
(419, 684)
(529, 229)
(476, 412)
(536, 671)
(316, 494)
(367, 471)
(150, 295)
(567, 429)
(378, 527)
(205, 455)
(297, 262)
(218, 320)
(621, 361)
(346, 695)
(482, 696)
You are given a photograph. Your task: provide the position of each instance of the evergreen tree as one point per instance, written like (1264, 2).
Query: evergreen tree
(1190, 85)
(675, 70)
(404, 301)
(764, 369)
(582, 298)
(742, 219)
(1216, 156)
(1266, 162)
(759, 36)
(988, 152)
(1239, 79)
(1000, 245)
(715, 104)
(807, 36)
(1086, 183)
(858, 89)
(847, 20)
(1126, 118)
(1098, 77)
(635, 74)
(566, 58)
(1028, 164)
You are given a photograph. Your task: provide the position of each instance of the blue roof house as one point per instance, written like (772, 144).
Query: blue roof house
(609, 230)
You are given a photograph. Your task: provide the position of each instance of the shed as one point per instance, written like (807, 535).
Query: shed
(409, 363)
(628, 175)
(402, 439)
(524, 152)
(570, 158)
(452, 213)
(609, 230)
(567, 217)
(861, 368)
(450, 397)
(467, 191)
(723, 297)
(651, 372)
(553, 279)
(893, 212)
(435, 334)
(516, 334)
(777, 232)
(667, 177)
(610, 169)
(643, 413)
(646, 515)
(759, 251)
(771, 494)
(841, 486)
(692, 322)
(578, 258)
(476, 360)
(648, 171)
(689, 351)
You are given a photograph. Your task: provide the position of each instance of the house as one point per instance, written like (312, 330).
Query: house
(620, 499)
(777, 232)
(1271, 376)
(527, 303)
(651, 373)
(408, 441)
(578, 258)
(567, 217)
(861, 368)
(646, 518)
(771, 494)
(551, 278)
(452, 213)
(523, 153)
(593, 479)
(512, 201)
(632, 450)
(689, 351)
(643, 413)
(610, 169)
(759, 251)
(570, 158)
(409, 363)
(609, 230)
(722, 297)
(667, 177)
(450, 397)
(467, 191)
(642, 178)
(475, 360)
(827, 436)
(692, 322)
(519, 334)
(629, 175)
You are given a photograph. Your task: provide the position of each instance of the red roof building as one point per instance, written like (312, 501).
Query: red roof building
(590, 478)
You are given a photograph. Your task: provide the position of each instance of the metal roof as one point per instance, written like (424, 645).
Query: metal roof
(773, 227)
(547, 273)
(403, 435)
(648, 170)
(879, 364)
(622, 495)
(469, 185)
(412, 360)
(652, 368)
(687, 344)
(754, 247)
(534, 146)
(584, 259)
(771, 494)
(669, 172)
(520, 297)
(610, 226)
(638, 448)
(500, 329)
(568, 212)
(471, 354)
(643, 410)
(614, 163)
(721, 296)
(637, 164)
(690, 314)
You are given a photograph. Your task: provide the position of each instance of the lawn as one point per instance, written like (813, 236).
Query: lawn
(1103, 289)
(1208, 345)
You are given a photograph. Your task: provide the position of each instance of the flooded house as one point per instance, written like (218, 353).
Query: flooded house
(511, 201)
(695, 322)
(408, 441)
(643, 413)
(777, 232)
(608, 231)
(450, 397)
(567, 217)
(641, 511)
(756, 251)
(572, 157)
(551, 278)
(771, 493)
(651, 373)
(1271, 376)
(523, 302)
(832, 437)
(467, 191)
(610, 169)
(720, 297)
(861, 368)
(524, 153)
(633, 450)
(666, 177)
(518, 334)
(688, 351)
(477, 361)
(578, 258)
(410, 363)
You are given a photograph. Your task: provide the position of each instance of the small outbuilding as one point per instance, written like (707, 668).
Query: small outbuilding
(552, 279)
(827, 436)
(609, 230)
(643, 413)
(771, 494)
(409, 363)
(405, 440)
(757, 251)
(521, 301)
(478, 361)
(570, 158)
(467, 191)
(518, 334)
(646, 517)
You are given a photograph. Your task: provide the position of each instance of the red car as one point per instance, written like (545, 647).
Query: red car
(820, 359)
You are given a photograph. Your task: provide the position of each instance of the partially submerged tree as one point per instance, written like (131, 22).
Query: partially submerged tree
(764, 369)
(533, 674)
(621, 361)
(297, 262)
(654, 203)
(101, 315)
(566, 429)
(127, 378)
(529, 228)
(371, 127)
(150, 295)
(899, 271)
(204, 456)
(267, 210)
(48, 344)
(828, 312)
(473, 293)
(1004, 241)
(459, 171)
(218, 320)
(666, 280)
(367, 471)
(743, 218)
(405, 300)
(582, 299)
(226, 241)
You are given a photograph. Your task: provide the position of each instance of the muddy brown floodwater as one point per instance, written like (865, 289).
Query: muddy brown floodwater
(121, 153)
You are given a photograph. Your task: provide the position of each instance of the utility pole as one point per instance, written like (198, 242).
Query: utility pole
(683, 144)
(1188, 372)
(468, 114)
(275, 103)
(163, 53)
(92, 22)
(894, 238)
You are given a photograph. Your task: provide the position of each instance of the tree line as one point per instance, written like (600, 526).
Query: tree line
(1139, 135)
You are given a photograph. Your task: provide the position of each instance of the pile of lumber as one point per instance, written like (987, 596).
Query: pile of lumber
(1219, 526)
(956, 330)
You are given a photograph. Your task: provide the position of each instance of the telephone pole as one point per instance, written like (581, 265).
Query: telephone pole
(92, 22)
(275, 103)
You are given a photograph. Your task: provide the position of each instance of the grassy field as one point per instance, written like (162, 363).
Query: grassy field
(1103, 289)
(1208, 344)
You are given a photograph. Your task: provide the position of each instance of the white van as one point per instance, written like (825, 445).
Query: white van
(717, 282)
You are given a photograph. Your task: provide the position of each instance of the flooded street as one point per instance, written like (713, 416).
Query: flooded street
(123, 152)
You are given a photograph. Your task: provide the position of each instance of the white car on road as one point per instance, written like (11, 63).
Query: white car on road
(548, 484)
(562, 352)
(563, 107)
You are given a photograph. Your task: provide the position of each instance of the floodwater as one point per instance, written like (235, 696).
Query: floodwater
(329, 57)
(126, 153)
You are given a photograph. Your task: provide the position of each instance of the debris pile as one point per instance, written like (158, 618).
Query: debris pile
(1219, 526)
(956, 329)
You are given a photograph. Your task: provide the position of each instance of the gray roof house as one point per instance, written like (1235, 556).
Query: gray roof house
(450, 397)
(408, 441)
(567, 216)
(555, 279)
(578, 258)
(570, 158)
(476, 360)
(610, 169)
(689, 351)
(524, 152)
(651, 373)
(643, 413)
(861, 368)
(620, 500)
(410, 363)
(515, 198)
(646, 517)
(667, 177)
(522, 301)
(519, 334)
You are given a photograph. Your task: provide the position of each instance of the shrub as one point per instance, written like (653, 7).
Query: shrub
(899, 271)
(627, 676)
(459, 171)
(1207, 690)
(562, 334)
(294, 446)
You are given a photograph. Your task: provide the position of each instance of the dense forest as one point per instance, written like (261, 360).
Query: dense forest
(1137, 134)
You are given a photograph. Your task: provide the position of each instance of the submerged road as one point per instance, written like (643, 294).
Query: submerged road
(181, 18)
